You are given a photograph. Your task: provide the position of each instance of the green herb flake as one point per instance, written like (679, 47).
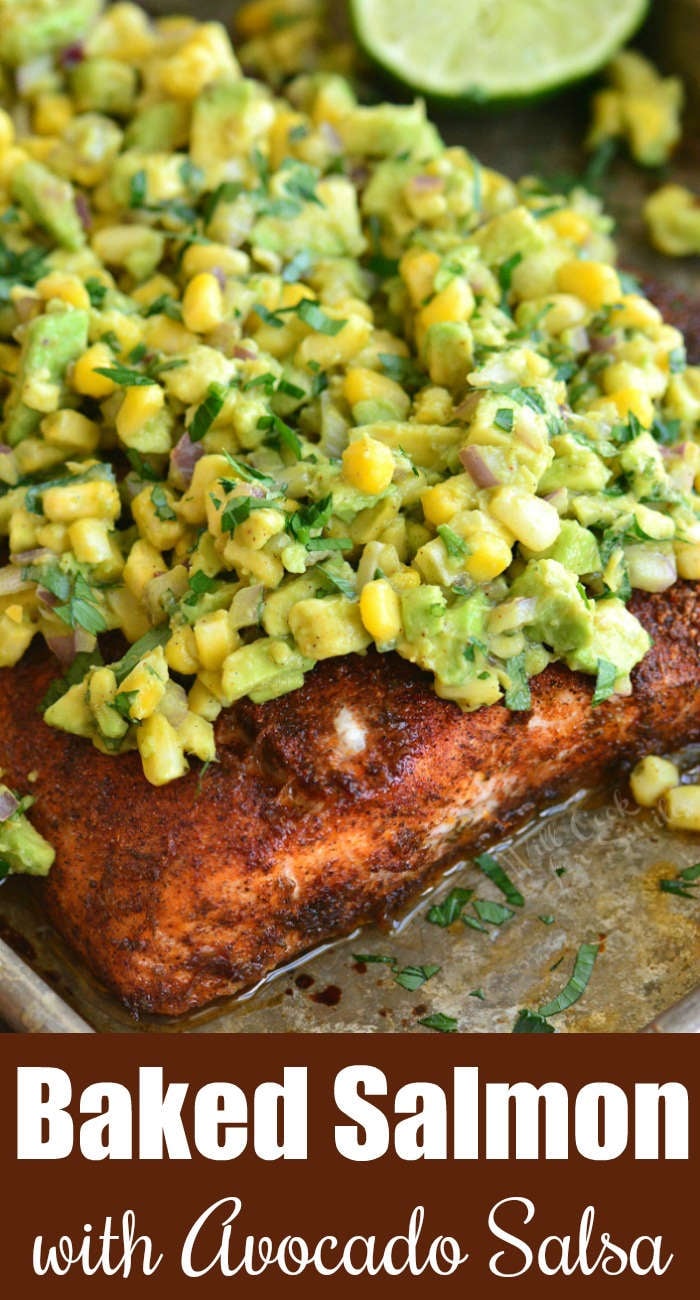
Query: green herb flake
(138, 189)
(149, 641)
(683, 884)
(441, 1023)
(492, 869)
(75, 674)
(605, 682)
(452, 542)
(373, 959)
(478, 993)
(503, 419)
(546, 918)
(413, 977)
(529, 1022)
(161, 505)
(315, 317)
(207, 412)
(449, 910)
(583, 969)
(492, 913)
(125, 377)
(97, 291)
(517, 695)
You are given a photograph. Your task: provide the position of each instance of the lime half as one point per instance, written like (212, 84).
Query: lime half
(485, 51)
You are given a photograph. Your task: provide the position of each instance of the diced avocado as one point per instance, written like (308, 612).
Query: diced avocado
(449, 353)
(616, 636)
(422, 611)
(49, 201)
(104, 86)
(509, 233)
(51, 343)
(385, 130)
(263, 670)
(324, 628)
(160, 128)
(226, 120)
(563, 618)
(576, 467)
(22, 849)
(642, 460)
(329, 228)
(31, 28)
(278, 603)
(576, 548)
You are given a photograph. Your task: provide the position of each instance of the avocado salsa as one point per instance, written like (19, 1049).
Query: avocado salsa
(284, 378)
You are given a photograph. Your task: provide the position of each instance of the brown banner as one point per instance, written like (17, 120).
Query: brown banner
(376, 1138)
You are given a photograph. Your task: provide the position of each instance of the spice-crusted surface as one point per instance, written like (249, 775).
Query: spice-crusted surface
(178, 896)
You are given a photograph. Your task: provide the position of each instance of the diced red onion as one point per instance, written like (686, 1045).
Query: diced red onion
(245, 606)
(475, 465)
(650, 570)
(46, 597)
(558, 499)
(72, 55)
(85, 642)
(468, 405)
(32, 557)
(424, 184)
(63, 647)
(606, 342)
(11, 581)
(5, 450)
(82, 208)
(8, 805)
(219, 276)
(184, 457)
(244, 354)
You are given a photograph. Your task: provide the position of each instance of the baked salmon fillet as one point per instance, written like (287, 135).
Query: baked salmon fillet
(329, 808)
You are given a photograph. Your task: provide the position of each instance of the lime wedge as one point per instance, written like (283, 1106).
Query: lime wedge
(486, 51)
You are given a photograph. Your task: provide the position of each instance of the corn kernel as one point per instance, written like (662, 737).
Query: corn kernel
(632, 401)
(368, 465)
(99, 500)
(380, 610)
(90, 541)
(160, 750)
(533, 521)
(128, 613)
(418, 268)
(488, 556)
(568, 224)
(141, 403)
(70, 431)
(443, 500)
(146, 684)
(163, 533)
(635, 312)
(327, 350)
(52, 113)
(143, 564)
(651, 778)
(362, 385)
(595, 283)
(7, 131)
(214, 639)
(202, 304)
(181, 651)
(196, 736)
(681, 807)
(688, 560)
(206, 257)
(166, 335)
(86, 380)
(66, 287)
(15, 638)
(454, 303)
(203, 702)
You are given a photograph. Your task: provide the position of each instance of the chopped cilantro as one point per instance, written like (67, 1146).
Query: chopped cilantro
(517, 696)
(440, 1022)
(492, 913)
(583, 969)
(529, 1022)
(453, 543)
(413, 977)
(315, 317)
(141, 466)
(19, 268)
(137, 189)
(501, 880)
(161, 505)
(125, 377)
(605, 682)
(478, 993)
(446, 912)
(164, 305)
(81, 608)
(96, 290)
(546, 918)
(149, 641)
(77, 671)
(207, 412)
(683, 884)
(503, 419)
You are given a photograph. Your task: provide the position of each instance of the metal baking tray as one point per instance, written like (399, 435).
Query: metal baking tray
(612, 853)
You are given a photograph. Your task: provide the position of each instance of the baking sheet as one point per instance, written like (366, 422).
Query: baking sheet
(593, 865)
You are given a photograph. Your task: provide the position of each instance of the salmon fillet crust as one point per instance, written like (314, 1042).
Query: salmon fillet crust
(329, 808)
